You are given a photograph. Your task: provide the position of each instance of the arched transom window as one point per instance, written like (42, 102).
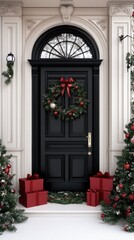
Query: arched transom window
(67, 46)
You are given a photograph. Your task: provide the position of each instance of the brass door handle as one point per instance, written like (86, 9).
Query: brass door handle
(89, 139)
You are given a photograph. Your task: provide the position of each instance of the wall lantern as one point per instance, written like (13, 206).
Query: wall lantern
(10, 58)
(9, 73)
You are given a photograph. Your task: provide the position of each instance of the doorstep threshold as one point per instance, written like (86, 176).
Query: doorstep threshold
(61, 210)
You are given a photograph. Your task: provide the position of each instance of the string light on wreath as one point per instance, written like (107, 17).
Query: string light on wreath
(69, 86)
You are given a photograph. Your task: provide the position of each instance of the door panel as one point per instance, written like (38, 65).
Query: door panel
(64, 160)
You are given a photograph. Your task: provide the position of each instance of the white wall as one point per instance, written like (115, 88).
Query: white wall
(19, 28)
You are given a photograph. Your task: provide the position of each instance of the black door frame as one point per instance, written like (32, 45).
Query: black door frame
(36, 64)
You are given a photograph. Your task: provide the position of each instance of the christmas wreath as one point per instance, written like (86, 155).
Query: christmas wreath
(78, 108)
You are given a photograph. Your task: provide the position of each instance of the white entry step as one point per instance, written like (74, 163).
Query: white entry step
(60, 210)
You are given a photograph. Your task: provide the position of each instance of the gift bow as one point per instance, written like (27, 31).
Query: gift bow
(34, 176)
(66, 84)
(105, 175)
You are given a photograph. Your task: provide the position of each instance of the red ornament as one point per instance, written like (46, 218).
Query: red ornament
(132, 140)
(116, 199)
(81, 104)
(131, 197)
(76, 87)
(126, 228)
(1, 206)
(70, 114)
(102, 215)
(128, 210)
(12, 190)
(132, 127)
(6, 170)
(123, 194)
(120, 185)
(114, 205)
(9, 165)
(35, 175)
(56, 113)
(127, 166)
(127, 135)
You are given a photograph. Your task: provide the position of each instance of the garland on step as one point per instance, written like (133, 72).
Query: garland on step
(76, 109)
(67, 197)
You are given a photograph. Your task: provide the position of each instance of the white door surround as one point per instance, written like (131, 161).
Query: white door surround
(101, 42)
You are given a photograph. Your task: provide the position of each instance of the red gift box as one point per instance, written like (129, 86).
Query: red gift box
(93, 197)
(105, 196)
(33, 199)
(32, 185)
(101, 182)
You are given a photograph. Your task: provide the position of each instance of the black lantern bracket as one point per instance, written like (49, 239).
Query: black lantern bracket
(8, 74)
(122, 37)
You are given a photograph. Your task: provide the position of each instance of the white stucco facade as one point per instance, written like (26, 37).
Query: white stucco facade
(20, 27)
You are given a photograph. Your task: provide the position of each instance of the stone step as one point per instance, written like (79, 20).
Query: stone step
(53, 210)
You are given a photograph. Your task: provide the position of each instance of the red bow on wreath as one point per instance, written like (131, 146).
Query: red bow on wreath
(66, 84)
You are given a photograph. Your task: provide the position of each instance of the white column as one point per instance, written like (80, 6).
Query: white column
(119, 81)
(11, 112)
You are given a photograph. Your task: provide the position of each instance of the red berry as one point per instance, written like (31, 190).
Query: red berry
(127, 166)
(48, 101)
(56, 113)
(76, 87)
(114, 205)
(132, 127)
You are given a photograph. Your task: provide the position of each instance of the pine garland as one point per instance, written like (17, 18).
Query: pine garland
(9, 73)
(67, 197)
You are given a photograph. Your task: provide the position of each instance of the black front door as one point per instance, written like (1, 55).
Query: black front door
(60, 148)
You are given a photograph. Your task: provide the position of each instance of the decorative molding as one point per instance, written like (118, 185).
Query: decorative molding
(120, 10)
(102, 24)
(11, 8)
(66, 2)
(132, 34)
(30, 24)
(66, 12)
